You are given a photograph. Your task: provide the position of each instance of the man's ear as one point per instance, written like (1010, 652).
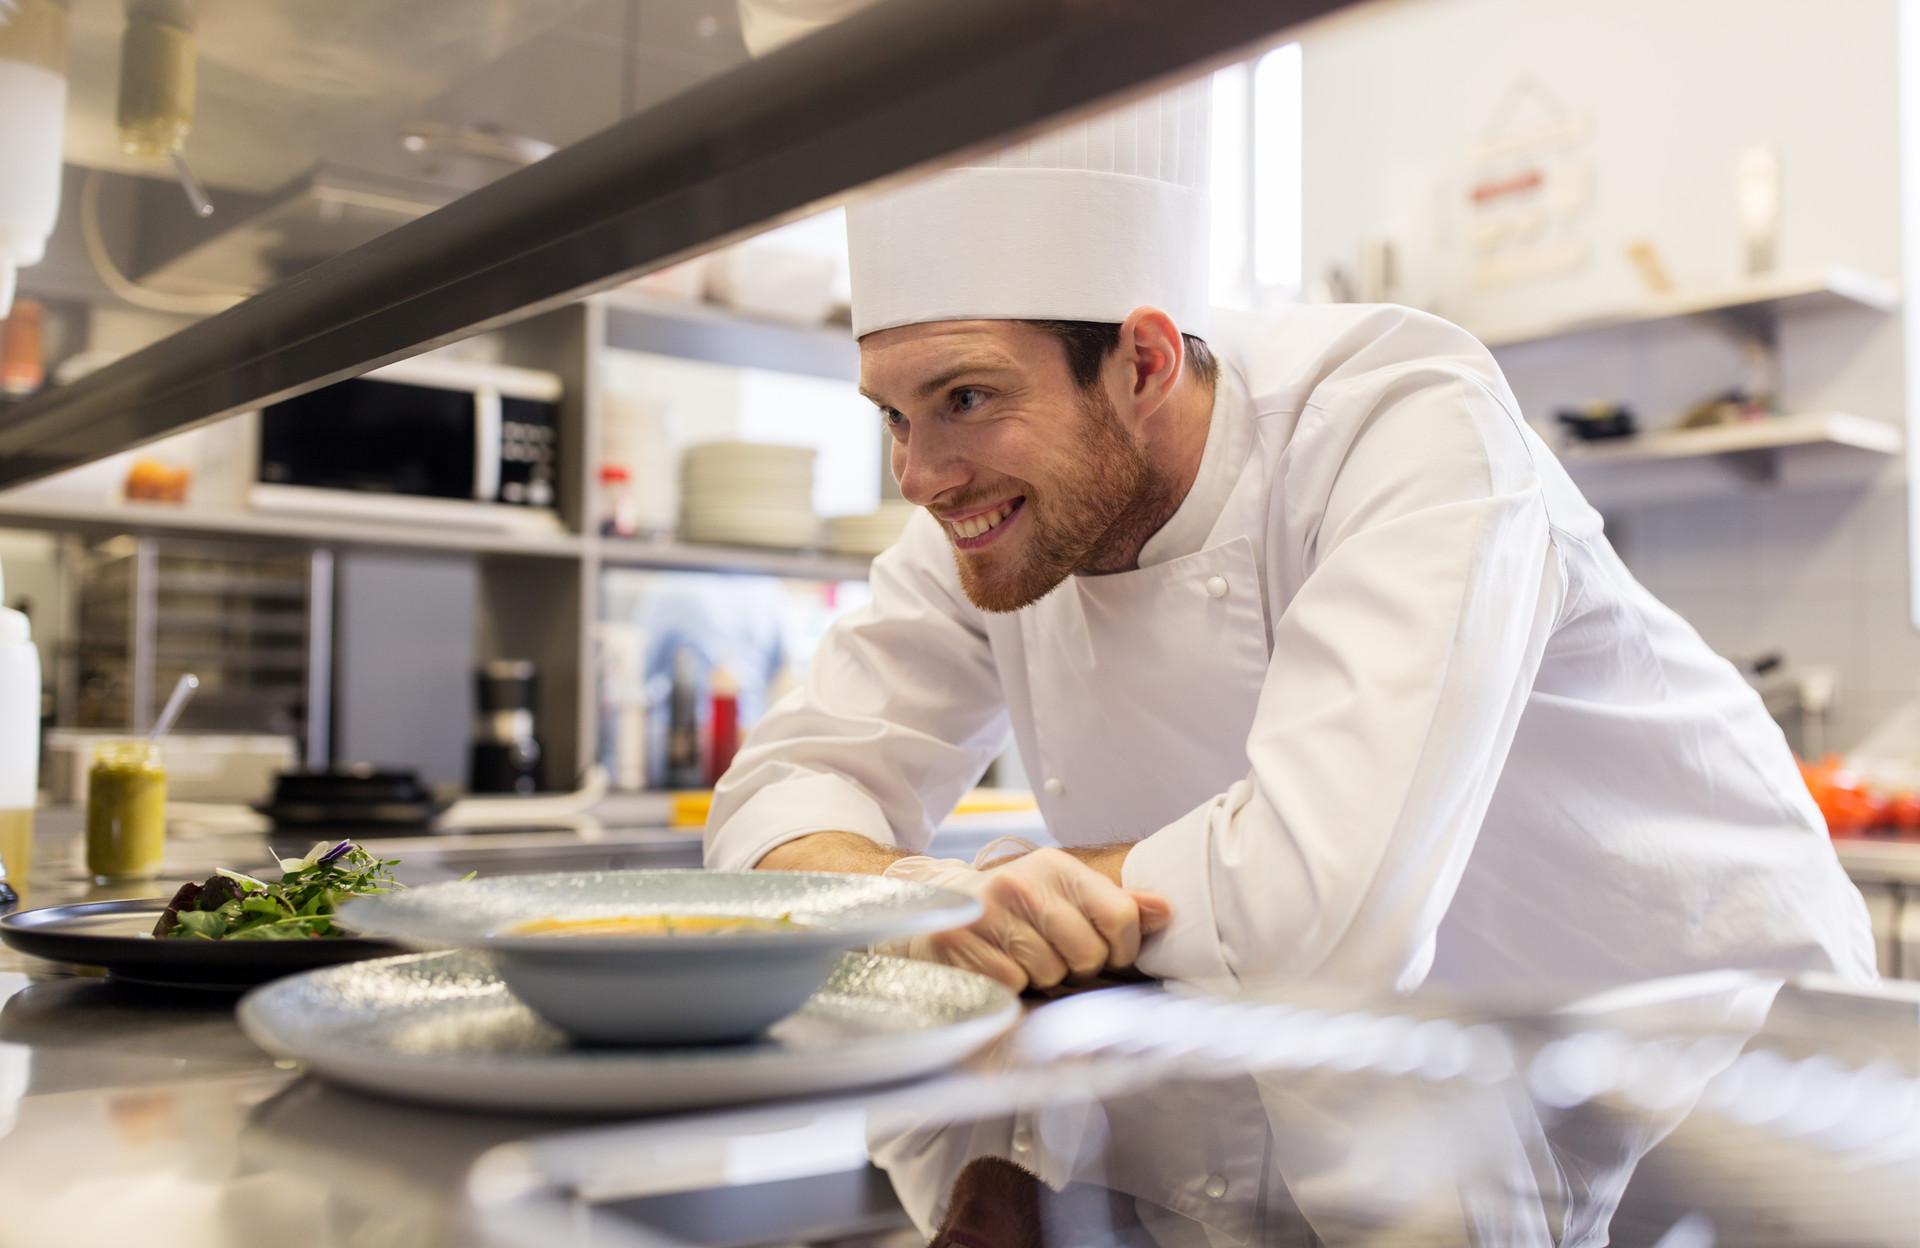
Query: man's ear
(1154, 354)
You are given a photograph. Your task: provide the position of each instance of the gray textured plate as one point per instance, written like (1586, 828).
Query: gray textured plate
(442, 1028)
(834, 911)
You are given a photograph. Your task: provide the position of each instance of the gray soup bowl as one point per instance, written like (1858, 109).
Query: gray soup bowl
(705, 988)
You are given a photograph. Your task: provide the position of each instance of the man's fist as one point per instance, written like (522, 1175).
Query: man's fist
(1048, 917)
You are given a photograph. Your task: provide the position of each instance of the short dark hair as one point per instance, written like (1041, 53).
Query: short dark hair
(1089, 343)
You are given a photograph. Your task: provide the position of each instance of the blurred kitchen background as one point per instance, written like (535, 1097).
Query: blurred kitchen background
(611, 532)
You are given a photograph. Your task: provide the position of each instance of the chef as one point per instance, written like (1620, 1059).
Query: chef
(1325, 673)
(1323, 668)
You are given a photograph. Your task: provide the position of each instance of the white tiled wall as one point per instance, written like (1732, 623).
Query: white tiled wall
(1819, 576)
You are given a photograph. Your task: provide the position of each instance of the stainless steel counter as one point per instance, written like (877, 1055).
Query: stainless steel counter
(134, 1115)
(138, 1115)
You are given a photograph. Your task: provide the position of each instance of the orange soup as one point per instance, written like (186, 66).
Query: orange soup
(651, 925)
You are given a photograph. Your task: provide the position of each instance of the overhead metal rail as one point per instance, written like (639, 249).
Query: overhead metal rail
(889, 90)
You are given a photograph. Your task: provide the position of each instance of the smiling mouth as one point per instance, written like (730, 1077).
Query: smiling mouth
(977, 530)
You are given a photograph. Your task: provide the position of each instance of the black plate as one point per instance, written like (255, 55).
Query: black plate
(118, 935)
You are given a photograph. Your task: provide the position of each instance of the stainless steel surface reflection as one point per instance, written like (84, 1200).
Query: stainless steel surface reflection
(1720, 1111)
(1723, 1110)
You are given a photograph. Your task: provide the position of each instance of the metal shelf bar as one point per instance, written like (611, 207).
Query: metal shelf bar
(888, 90)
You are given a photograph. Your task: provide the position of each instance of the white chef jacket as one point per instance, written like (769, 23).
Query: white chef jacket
(1380, 704)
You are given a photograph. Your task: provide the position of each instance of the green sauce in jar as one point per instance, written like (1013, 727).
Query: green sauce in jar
(126, 810)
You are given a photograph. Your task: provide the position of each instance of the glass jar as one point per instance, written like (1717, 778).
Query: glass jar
(157, 72)
(126, 810)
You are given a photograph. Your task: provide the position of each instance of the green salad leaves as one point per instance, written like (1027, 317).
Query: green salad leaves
(235, 906)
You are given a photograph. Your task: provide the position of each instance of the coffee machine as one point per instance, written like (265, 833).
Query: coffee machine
(506, 746)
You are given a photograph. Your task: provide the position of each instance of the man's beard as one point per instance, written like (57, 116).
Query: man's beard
(1094, 520)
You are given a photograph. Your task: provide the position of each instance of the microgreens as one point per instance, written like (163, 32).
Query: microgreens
(300, 906)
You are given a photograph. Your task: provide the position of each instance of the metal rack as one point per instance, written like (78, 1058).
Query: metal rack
(242, 618)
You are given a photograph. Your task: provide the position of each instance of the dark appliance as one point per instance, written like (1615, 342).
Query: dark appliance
(506, 749)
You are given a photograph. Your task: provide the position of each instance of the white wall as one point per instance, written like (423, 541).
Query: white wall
(1398, 95)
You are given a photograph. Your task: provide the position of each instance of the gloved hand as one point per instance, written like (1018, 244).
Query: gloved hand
(1048, 916)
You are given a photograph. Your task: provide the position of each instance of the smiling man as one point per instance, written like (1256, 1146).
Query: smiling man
(1325, 670)
(1028, 464)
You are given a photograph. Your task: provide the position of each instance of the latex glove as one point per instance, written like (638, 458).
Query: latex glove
(1048, 916)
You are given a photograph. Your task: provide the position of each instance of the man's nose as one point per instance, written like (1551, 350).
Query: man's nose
(926, 468)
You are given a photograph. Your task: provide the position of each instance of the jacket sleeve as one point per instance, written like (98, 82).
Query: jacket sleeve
(900, 713)
(1426, 585)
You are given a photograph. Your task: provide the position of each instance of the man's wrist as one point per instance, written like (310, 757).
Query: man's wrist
(846, 852)
(1106, 859)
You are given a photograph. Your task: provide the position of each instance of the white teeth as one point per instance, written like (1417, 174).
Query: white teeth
(981, 524)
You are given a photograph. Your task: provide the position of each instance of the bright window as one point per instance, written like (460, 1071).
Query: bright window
(1276, 125)
(1256, 180)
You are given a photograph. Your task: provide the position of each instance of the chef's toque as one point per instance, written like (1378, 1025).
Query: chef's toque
(1083, 223)
(768, 25)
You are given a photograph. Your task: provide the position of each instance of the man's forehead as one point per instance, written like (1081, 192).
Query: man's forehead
(897, 362)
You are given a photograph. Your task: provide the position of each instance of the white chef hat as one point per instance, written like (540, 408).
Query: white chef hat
(767, 25)
(1084, 223)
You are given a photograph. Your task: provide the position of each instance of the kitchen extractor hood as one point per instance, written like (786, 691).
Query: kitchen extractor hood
(890, 90)
(281, 83)
(323, 213)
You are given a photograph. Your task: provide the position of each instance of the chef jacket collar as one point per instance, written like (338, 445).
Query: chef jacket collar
(1229, 444)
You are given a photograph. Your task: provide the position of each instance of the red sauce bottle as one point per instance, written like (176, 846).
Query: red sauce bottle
(723, 724)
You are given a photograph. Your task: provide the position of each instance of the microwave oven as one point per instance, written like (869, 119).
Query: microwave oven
(427, 440)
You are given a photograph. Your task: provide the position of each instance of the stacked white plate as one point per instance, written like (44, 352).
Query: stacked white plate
(869, 534)
(748, 494)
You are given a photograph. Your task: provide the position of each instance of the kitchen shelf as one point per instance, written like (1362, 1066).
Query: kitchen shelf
(1879, 860)
(637, 321)
(1819, 449)
(1834, 430)
(744, 560)
(1824, 290)
(278, 624)
(166, 518)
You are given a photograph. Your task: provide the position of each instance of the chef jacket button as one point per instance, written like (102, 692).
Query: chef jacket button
(1216, 1186)
(1216, 587)
(1054, 786)
(1022, 1140)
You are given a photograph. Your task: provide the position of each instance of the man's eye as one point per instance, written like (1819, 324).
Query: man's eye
(966, 398)
(893, 420)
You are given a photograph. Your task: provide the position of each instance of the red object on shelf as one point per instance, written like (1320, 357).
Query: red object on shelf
(723, 725)
(616, 505)
(1903, 814)
(1852, 807)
